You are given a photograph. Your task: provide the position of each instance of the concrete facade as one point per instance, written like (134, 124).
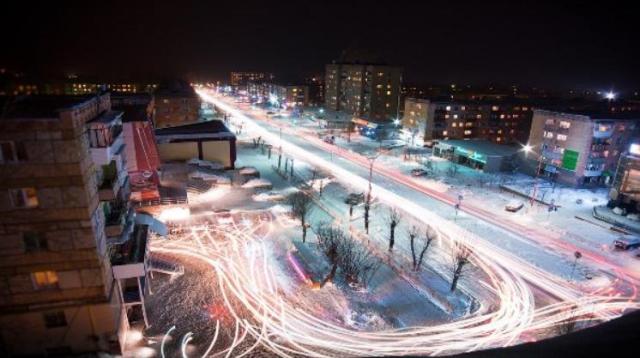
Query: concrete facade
(369, 91)
(578, 149)
(56, 275)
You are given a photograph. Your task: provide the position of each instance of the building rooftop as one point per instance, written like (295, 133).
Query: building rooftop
(176, 88)
(106, 117)
(39, 106)
(598, 110)
(482, 146)
(133, 112)
(208, 129)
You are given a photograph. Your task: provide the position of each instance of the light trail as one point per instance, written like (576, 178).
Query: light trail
(284, 327)
(248, 278)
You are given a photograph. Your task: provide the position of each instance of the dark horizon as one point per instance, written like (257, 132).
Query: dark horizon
(567, 45)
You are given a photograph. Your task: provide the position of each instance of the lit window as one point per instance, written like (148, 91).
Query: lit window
(565, 124)
(548, 134)
(495, 108)
(502, 116)
(24, 197)
(469, 124)
(455, 116)
(467, 132)
(444, 133)
(463, 108)
(44, 280)
(454, 124)
(562, 137)
(388, 93)
(448, 108)
(479, 116)
(446, 116)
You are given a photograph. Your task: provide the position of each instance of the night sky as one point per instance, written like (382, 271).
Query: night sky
(544, 44)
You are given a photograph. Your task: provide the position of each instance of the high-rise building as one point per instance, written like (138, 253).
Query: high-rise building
(581, 146)
(368, 91)
(65, 227)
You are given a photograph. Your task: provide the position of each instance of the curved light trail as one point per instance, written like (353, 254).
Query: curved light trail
(247, 278)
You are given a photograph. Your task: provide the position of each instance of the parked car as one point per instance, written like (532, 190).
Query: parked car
(330, 139)
(514, 206)
(418, 172)
(626, 243)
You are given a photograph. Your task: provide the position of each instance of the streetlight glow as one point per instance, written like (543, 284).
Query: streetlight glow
(610, 95)
(527, 148)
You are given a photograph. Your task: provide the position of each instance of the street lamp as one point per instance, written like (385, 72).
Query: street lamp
(528, 148)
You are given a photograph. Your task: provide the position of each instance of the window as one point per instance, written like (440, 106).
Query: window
(34, 241)
(562, 137)
(548, 135)
(454, 124)
(11, 152)
(495, 108)
(467, 132)
(448, 108)
(444, 133)
(44, 280)
(455, 116)
(24, 197)
(54, 319)
(388, 93)
(565, 124)
(469, 124)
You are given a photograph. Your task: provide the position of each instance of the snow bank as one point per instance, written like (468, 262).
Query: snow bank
(219, 179)
(206, 163)
(257, 183)
(249, 171)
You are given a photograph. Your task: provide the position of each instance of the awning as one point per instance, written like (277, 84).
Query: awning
(154, 224)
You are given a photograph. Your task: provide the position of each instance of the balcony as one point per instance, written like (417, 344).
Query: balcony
(111, 187)
(118, 223)
(128, 258)
(602, 130)
(105, 137)
(592, 173)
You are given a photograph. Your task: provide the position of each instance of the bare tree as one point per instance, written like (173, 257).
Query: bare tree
(350, 129)
(352, 200)
(422, 245)
(300, 206)
(367, 208)
(394, 219)
(460, 256)
(357, 264)
(567, 325)
(329, 240)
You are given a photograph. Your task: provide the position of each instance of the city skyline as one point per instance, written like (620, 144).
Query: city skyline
(547, 45)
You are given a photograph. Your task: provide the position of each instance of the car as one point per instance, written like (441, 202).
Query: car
(626, 243)
(329, 139)
(418, 172)
(514, 206)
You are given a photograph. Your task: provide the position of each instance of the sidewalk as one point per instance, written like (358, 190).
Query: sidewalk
(607, 215)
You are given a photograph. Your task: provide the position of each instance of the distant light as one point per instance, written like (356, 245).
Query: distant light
(610, 95)
(321, 110)
(527, 148)
(396, 122)
(634, 149)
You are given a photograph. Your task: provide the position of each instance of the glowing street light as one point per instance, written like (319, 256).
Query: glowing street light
(527, 148)
(396, 122)
(610, 95)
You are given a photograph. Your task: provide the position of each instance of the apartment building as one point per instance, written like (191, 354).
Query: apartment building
(499, 121)
(243, 78)
(368, 91)
(176, 103)
(581, 146)
(65, 227)
(625, 187)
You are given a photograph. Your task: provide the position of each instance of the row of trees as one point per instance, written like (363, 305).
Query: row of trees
(356, 262)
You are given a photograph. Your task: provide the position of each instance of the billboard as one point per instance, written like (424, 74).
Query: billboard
(570, 159)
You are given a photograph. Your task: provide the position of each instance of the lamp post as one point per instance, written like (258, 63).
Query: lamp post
(528, 148)
(367, 203)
